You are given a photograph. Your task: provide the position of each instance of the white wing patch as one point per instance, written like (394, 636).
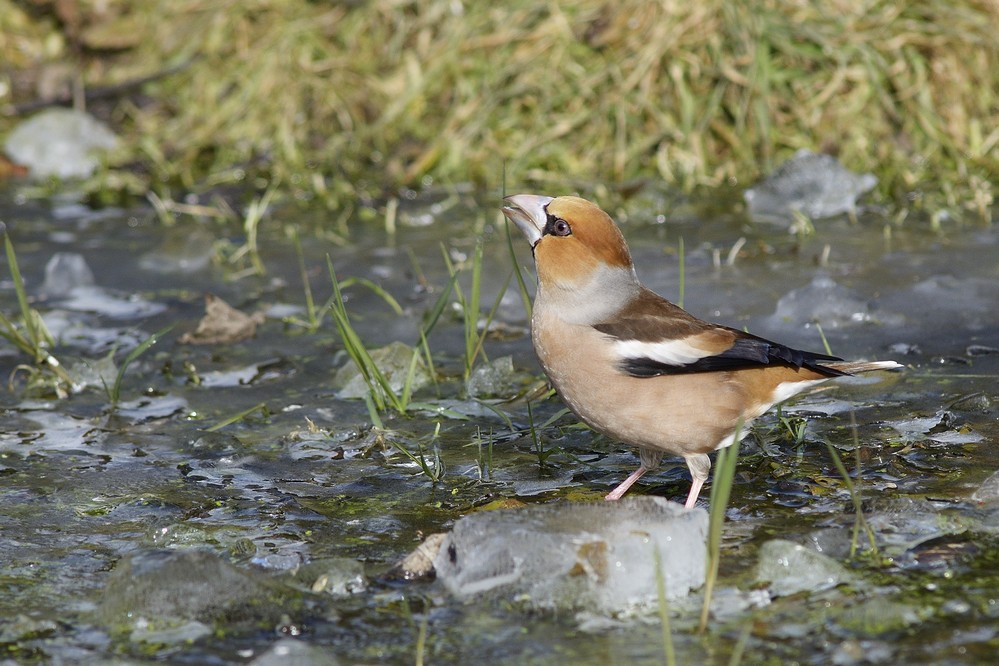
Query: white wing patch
(670, 352)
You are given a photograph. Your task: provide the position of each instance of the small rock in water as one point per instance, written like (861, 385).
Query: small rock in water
(790, 568)
(150, 631)
(60, 142)
(811, 183)
(595, 556)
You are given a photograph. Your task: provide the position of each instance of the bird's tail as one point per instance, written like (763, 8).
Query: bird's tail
(854, 367)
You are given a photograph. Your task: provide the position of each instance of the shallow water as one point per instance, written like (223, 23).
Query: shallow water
(305, 481)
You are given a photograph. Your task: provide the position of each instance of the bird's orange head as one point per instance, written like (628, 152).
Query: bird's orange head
(572, 238)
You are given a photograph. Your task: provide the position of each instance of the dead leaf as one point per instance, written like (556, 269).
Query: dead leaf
(222, 323)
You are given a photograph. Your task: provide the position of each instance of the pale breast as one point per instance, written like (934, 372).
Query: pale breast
(680, 414)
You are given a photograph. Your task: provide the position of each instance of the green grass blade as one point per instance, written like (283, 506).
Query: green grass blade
(377, 289)
(860, 521)
(379, 387)
(525, 296)
(259, 407)
(721, 489)
(471, 313)
(311, 313)
(481, 337)
(822, 335)
(669, 652)
(683, 272)
(115, 392)
(30, 326)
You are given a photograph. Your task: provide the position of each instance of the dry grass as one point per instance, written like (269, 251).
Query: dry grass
(352, 99)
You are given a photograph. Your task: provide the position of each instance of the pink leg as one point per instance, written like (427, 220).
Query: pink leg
(619, 492)
(700, 466)
(695, 490)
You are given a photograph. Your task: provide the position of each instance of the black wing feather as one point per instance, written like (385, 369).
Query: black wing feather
(748, 351)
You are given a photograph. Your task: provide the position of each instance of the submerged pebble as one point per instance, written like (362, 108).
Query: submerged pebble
(336, 576)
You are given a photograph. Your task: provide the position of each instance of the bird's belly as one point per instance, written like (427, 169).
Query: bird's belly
(679, 414)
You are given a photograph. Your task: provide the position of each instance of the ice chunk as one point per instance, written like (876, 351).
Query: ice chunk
(60, 142)
(65, 272)
(790, 568)
(823, 301)
(148, 631)
(184, 585)
(954, 302)
(988, 491)
(78, 330)
(294, 652)
(812, 183)
(69, 280)
(336, 576)
(594, 556)
(394, 361)
(495, 378)
(185, 251)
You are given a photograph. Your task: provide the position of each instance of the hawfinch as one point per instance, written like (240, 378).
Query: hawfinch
(637, 368)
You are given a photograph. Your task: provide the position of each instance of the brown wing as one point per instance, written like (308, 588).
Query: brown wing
(661, 338)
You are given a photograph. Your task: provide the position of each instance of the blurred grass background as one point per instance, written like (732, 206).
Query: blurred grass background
(337, 101)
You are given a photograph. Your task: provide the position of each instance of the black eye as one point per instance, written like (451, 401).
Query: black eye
(560, 227)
